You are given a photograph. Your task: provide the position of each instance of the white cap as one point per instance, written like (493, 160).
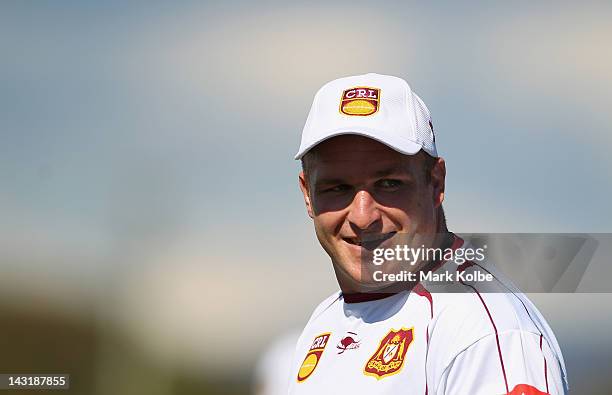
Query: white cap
(377, 106)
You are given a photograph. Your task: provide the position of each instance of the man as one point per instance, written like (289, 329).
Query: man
(371, 177)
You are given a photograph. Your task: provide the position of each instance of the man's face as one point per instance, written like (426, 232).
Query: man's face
(360, 193)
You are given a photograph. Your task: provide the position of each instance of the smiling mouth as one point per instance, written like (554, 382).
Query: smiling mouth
(369, 241)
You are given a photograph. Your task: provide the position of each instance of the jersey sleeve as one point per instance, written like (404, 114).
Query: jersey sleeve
(512, 362)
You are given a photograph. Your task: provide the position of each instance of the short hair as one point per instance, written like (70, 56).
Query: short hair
(428, 164)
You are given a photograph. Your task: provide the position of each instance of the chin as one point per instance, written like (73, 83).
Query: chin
(350, 268)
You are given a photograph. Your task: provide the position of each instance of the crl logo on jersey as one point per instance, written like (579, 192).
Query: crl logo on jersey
(388, 359)
(312, 357)
(360, 100)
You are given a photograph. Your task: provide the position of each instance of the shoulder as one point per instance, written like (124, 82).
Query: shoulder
(313, 325)
(471, 310)
(502, 332)
(324, 306)
(478, 309)
(483, 301)
(475, 312)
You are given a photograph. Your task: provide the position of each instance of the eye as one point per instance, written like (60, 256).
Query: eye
(388, 183)
(337, 188)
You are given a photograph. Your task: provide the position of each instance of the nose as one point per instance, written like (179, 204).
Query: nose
(363, 211)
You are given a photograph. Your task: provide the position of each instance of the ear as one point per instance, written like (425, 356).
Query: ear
(306, 194)
(438, 181)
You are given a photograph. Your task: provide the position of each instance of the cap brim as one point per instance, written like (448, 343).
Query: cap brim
(399, 144)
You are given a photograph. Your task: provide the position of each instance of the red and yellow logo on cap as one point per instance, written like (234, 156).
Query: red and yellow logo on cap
(360, 101)
(312, 357)
(389, 357)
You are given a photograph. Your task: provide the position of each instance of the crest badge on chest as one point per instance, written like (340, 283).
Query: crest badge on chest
(389, 357)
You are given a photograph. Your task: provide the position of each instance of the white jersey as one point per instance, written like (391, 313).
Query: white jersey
(417, 342)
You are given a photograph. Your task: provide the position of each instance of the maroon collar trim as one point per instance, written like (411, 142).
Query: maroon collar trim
(366, 297)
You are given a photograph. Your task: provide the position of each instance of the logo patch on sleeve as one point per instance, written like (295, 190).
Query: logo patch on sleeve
(312, 357)
(388, 359)
(360, 101)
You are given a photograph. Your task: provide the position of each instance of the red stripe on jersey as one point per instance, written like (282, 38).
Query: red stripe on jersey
(501, 359)
(529, 315)
(545, 367)
(421, 291)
